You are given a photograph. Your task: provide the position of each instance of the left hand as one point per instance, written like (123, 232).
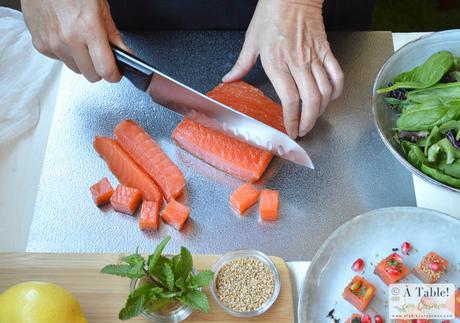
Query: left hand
(290, 38)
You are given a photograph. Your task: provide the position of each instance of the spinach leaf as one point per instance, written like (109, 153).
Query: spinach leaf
(450, 169)
(443, 92)
(440, 176)
(427, 115)
(425, 75)
(449, 125)
(413, 154)
(434, 137)
(444, 145)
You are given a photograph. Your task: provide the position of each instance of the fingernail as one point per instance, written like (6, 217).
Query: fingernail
(294, 134)
(227, 76)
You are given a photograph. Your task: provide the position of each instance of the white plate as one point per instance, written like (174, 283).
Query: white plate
(371, 236)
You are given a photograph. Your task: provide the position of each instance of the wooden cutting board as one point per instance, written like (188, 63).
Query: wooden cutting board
(102, 296)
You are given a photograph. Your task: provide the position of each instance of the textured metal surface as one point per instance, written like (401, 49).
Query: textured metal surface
(354, 171)
(406, 58)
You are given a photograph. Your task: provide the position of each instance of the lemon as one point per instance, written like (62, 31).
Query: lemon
(38, 302)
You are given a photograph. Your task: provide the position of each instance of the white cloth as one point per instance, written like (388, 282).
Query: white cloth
(24, 73)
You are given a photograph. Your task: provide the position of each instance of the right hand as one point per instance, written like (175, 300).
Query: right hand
(79, 33)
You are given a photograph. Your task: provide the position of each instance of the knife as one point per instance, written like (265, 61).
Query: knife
(192, 104)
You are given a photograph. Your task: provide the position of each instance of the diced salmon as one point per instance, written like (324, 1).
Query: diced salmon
(425, 270)
(243, 198)
(269, 205)
(126, 199)
(126, 170)
(355, 318)
(151, 158)
(175, 214)
(149, 219)
(391, 269)
(228, 154)
(359, 293)
(101, 192)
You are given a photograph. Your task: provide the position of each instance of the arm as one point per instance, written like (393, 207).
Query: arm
(291, 40)
(76, 32)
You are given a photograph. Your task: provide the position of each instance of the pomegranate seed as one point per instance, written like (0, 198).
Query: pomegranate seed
(358, 265)
(378, 318)
(434, 266)
(366, 318)
(395, 257)
(406, 248)
(392, 270)
(445, 321)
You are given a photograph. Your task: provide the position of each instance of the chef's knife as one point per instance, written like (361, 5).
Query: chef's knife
(194, 105)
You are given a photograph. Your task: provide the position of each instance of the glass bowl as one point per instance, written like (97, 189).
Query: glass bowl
(244, 253)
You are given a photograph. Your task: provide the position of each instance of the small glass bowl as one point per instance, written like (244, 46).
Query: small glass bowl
(245, 253)
(177, 313)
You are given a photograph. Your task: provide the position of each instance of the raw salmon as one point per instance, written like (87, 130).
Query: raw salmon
(222, 151)
(175, 214)
(243, 198)
(101, 192)
(359, 293)
(126, 170)
(149, 219)
(269, 205)
(152, 159)
(126, 199)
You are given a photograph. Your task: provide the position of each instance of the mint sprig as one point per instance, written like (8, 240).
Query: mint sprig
(162, 280)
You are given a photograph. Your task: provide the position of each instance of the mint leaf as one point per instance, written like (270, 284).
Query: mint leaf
(124, 271)
(158, 271)
(159, 304)
(180, 283)
(176, 259)
(133, 260)
(203, 278)
(135, 303)
(196, 300)
(169, 276)
(185, 263)
(153, 258)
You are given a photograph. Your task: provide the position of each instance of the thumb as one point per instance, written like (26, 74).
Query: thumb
(243, 65)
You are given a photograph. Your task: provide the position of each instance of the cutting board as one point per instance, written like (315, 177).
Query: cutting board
(102, 296)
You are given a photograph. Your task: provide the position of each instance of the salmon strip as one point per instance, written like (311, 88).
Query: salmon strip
(175, 214)
(228, 154)
(243, 198)
(269, 205)
(101, 192)
(149, 219)
(151, 158)
(126, 170)
(126, 199)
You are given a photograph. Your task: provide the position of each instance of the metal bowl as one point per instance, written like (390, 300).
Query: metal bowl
(406, 58)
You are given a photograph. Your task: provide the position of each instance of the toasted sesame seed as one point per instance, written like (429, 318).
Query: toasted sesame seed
(245, 284)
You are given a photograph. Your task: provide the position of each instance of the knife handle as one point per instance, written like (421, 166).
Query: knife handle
(134, 69)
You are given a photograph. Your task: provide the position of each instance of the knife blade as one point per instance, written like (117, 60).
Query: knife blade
(192, 104)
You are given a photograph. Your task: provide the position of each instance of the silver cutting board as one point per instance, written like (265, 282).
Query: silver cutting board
(372, 236)
(354, 173)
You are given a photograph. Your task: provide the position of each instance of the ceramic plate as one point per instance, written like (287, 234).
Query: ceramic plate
(371, 236)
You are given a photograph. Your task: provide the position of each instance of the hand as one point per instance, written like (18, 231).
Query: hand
(291, 40)
(76, 32)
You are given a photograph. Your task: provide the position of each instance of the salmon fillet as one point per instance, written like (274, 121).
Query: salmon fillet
(126, 199)
(269, 205)
(230, 155)
(126, 170)
(149, 219)
(243, 198)
(101, 192)
(175, 214)
(151, 158)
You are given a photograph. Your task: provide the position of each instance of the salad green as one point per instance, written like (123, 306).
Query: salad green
(428, 125)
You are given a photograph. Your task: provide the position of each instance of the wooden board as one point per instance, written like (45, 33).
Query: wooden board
(102, 296)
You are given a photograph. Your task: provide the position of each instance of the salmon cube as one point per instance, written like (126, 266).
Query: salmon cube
(149, 219)
(355, 318)
(431, 268)
(269, 205)
(102, 192)
(243, 198)
(359, 293)
(392, 269)
(457, 303)
(175, 214)
(126, 199)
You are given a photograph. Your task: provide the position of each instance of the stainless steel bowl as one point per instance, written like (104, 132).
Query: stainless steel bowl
(406, 58)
